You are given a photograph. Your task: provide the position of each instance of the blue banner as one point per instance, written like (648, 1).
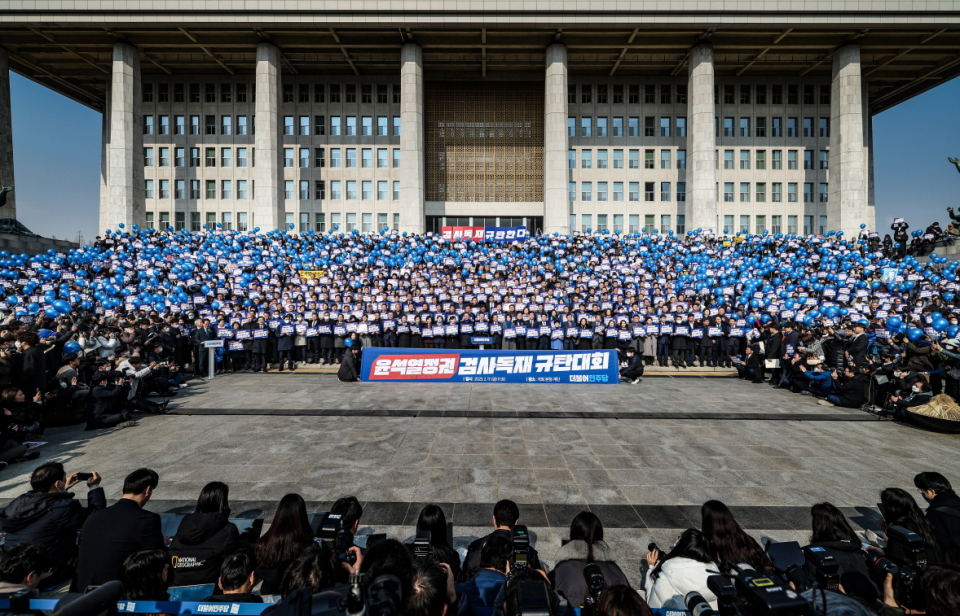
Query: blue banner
(475, 366)
(505, 234)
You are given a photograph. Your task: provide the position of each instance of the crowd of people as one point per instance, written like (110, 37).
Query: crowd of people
(124, 542)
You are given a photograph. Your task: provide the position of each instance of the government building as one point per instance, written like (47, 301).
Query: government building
(560, 115)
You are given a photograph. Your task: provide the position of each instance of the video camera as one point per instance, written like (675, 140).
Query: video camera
(750, 594)
(421, 545)
(332, 535)
(905, 559)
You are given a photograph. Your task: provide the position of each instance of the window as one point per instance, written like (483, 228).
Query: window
(682, 94)
(366, 158)
(823, 225)
(194, 221)
(761, 225)
(634, 159)
(808, 127)
(761, 192)
(194, 157)
(382, 190)
(586, 191)
(210, 123)
(147, 125)
(335, 93)
(351, 196)
(761, 95)
(649, 94)
(571, 159)
(572, 193)
(571, 94)
(728, 94)
(618, 127)
(287, 125)
(744, 192)
(226, 159)
(148, 92)
(586, 127)
(777, 194)
(335, 125)
(633, 127)
(745, 223)
(147, 157)
(319, 192)
(665, 192)
(777, 127)
(824, 127)
(824, 193)
(351, 126)
(665, 91)
(304, 158)
(304, 190)
(681, 159)
(148, 189)
(381, 126)
(825, 94)
(241, 92)
(728, 127)
(241, 125)
(648, 159)
(618, 159)
(288, 92)
(808, 95)
(209, 93)
(396, 158)
(165, 189)
(808, 159)
(241, 189)
(179, 157)
(648, 223)
(319, 125)
(601, 94)
(211, 220)
(382, 162)
(396, 126)
(587, 223)
(727, 223)
(728, 159)
(585, 94)
(649, 126)
(793, 95)
(211, 157)
(791, 225)
(366, 126)
(288, 192)
(241, 157)
(777, 160)
(601, 192)
(149, 219)
(761, 157)
(601, 127)
(648, 192)
(824, 161)
(791, 127)
(664, 127)
(335, 158)
(791, 159)
(664, 159)
(287, 157)
(792, 192)
(617, 94)
(351, 158)
(744, 94)
(681, 127)
(744, 127)
(351, 221)
(744, 159)
(634, 190)
(226, 189)
(728, 192)
(194, 125)
(617, 192)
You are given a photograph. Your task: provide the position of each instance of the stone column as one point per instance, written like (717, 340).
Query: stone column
(268, 202)
(412, 177)
(701, 142)
(6, 138)
(556, 204)
(871, 210)
(847, 206)
(123, 144)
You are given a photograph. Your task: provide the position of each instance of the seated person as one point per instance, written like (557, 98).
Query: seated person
(849, 391)
(749, 367)
(820, 380)
(506, 515)
(482, 590)
(634, 369)
(21, 567)
(237, 579)
(919, 395)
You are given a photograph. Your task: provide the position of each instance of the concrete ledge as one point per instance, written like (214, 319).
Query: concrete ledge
(33, 245)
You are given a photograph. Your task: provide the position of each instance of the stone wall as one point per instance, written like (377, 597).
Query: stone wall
(19, 244)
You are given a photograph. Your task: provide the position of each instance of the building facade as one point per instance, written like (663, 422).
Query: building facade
(418, 119)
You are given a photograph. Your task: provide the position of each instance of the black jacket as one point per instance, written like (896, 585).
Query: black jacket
(567, 574)
(774, 347)
(198, 549)
(33, 373)
(237, 597)
(850, 392)
(348, 371)
(944, 516)
(857, 347)
(50, 520)
(854, 574)
(471, 564)
(109, 536)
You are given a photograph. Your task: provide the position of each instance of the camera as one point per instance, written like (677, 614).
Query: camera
(596, 584)
(84, 476)
(334, 537)
(421, 545)
(827, 568)
(521, 547)
(905, 559)
(753, 594)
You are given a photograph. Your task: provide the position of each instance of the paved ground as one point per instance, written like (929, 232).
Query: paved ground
(642, 457)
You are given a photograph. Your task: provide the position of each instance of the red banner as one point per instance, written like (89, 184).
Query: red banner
(467, 233)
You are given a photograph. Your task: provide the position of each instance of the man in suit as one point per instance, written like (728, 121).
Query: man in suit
(774, 350)
(857, 347)
(203, 333)
(110, 535)
(33, 372)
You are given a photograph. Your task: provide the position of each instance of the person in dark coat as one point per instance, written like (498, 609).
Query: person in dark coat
(750, 367)
(109, 402)
(506, 515)
(49, 517)
(349, 371)
(237, 579)
(204, 538)
(634, 369)
(849, 391)
(943, 512)
(858, 344)
(586, 546)
(33, 366)
(482, 590)
(773, 349)
(285, 340)
(833, 533)
(259, 346)
(110, 535)
(201, 335)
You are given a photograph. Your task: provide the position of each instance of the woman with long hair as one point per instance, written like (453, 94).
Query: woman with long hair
(586, 546)
(204, 538)
(146, 576)
(433, 520)
(684, 569)
(899, 509)
(728, 541)
(622, 600)
(833, 534)
(288, 535)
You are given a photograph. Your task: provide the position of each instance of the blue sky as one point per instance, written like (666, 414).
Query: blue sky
(56, 146)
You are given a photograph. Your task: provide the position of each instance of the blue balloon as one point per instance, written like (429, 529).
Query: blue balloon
(894, 323)
(348, 342)
(940, 324)
(51, 312)
(913, 334)
(72, 347)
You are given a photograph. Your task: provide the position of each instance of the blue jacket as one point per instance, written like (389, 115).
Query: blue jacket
(285, 342)
(482, 590)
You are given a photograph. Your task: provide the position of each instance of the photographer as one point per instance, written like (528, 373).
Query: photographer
(433, 590)
(110, 392)
(919, 395)
(849, 391)
(237, 578)
(433, 520)
(506, 515)
(586, 546)
(49, 517)
(833, 534)
(482, 590)
(943, 512)
(751, 366)
(204, 538)
(22, 567)
(622, 601)
(316, 568)
(899, 509)
(729, 542)
(136, 372)
(685, 569)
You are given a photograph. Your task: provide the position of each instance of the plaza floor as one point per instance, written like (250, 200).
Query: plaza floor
(642, 457)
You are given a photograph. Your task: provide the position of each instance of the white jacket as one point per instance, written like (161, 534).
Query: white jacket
(108, 346)
(127, 369)
(677, 577)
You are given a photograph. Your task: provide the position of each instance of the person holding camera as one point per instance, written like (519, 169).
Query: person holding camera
(943, 512)
(506, 515)
(136, 372)
(109, 394)
(586, 546)
(848, 392)
(684, 569)
(920, 394)
(482, 590)
(48, 516)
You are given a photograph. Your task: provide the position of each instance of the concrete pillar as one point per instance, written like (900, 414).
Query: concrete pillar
(268, 202)
(701, 142)
(871, 217)
(6, 138)
(847, 206)
(556, 204)
(412, 177)
(123, 144)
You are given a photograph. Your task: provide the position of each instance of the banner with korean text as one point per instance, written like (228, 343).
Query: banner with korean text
(488, 234)
(476, 366)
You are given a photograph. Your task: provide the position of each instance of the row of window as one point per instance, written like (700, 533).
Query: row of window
(759, 192)
(182, 125)
(386, 191)
(810, 127)
(237, 93)
(650, 223)
(745, 94)
(666, 159)
(289, 160)
(226, 221)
